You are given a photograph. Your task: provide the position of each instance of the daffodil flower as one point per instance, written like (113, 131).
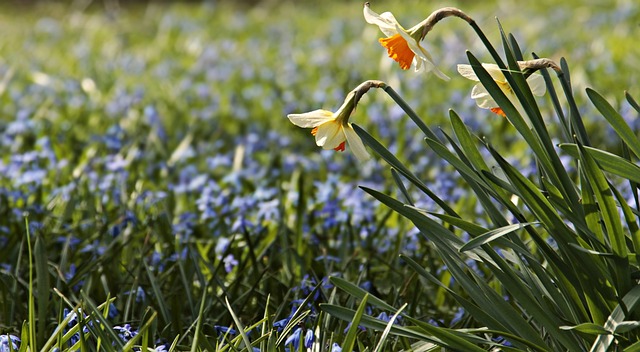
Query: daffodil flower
(403, 45)
(333, 130)
(484, 100)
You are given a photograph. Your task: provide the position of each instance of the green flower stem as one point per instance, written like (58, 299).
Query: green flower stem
(412, 114)
(445, 12)
(354, 97)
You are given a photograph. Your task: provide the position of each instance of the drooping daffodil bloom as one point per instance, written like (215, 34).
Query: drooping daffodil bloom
(484, 100)
(403, 45)
(333, 130)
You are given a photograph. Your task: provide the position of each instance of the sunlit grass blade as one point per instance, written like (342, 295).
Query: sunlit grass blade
(632, 223)
(239, 325)
(492, 235)
(386, 331)
(350, 338)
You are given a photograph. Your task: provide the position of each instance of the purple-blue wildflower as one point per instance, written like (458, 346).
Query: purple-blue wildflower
(9, 342)
(125, 332)
(294, 339)
(309, 337)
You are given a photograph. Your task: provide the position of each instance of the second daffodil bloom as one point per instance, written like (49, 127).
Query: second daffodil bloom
(484, 100)
(333, 130)
(403, 45)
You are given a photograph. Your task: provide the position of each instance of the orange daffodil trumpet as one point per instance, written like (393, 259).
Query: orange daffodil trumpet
(332, 130)
(484, 100)
(403, 45)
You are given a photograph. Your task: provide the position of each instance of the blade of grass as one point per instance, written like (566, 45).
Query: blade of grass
(387, 329)
(395, 163)
(239, 325)
(493, 234)
(352, 333)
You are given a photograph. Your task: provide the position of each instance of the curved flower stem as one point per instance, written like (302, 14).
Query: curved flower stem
(364, 87)
(445, 12)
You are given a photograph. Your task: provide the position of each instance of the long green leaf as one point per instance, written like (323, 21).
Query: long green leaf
(588, 328)
(610, 216)
(236, 320)
(395, 163)
(632, 101)
(615, 120)
(492, 235)
(607, 161)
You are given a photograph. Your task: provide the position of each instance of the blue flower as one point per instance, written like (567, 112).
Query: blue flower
(7, 339)
(294, 339)
(336, 348)
(308, 339)
(280, 324)
(223, 330)
(229, 263)
(140, 294)
(125, 332)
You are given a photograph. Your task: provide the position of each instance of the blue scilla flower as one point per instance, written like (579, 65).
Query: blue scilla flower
(336, 348)
(280, 324)
(73, 321)
(125, 332)
(9, 340)
(362, 328)
(140, 294)
(294, 339)
(229, 263)
(223, 330)
(309, 337)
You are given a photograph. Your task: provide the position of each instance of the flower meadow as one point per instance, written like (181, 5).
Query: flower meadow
(320, 176)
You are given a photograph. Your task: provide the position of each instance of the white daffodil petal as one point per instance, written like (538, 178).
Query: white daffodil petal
(355, 143)
(537, 85)
(439, 73)
(467, 72)
(311, 119)
(482, 97)
(386, 21)
(479, 91)
(329, 135)
(495, 72)
(423, 60)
